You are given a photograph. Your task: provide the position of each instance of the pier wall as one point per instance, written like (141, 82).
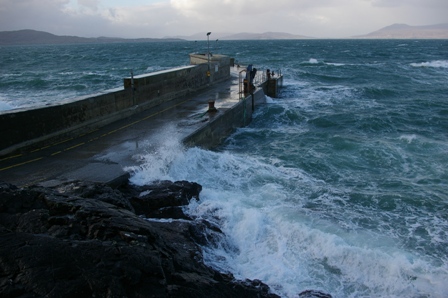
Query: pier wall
(272, 86)
(223, 122)
(36, 127)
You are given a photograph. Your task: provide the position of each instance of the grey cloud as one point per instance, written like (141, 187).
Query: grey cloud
(411, 3)
(320, 18)
(92, 4)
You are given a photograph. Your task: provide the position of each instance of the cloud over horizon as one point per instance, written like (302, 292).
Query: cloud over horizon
(161, 18)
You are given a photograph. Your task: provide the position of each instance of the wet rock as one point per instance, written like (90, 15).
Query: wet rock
(89, 240)
(314, 294)
(147, 199)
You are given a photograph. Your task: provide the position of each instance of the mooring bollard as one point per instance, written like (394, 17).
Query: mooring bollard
(211, 106)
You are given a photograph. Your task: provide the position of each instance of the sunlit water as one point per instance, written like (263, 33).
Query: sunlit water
(338, 185)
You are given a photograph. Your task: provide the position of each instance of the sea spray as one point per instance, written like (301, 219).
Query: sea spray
(159, 152)
(270, 237)
(294, 228)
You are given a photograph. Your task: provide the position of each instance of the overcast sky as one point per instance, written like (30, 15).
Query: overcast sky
(162, 18)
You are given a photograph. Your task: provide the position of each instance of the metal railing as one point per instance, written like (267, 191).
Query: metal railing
(260, 77)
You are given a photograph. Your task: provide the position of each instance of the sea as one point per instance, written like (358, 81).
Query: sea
(338, 185)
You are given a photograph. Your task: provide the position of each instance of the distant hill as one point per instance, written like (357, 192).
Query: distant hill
(396, 31)
(266, 35)
(22, 37)
(244, 36)
(403, 31)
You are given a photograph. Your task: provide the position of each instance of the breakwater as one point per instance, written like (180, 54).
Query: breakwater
(25, 128)
(222, 123)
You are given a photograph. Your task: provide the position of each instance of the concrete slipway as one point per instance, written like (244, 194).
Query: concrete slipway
(101, 155)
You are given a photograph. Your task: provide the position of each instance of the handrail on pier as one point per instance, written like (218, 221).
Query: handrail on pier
(260, 78)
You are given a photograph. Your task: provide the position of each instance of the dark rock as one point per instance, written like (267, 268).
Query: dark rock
(169, 212)
(98, 192)
(89, 240)
(147, 199)
(314, 294)
(205, 233)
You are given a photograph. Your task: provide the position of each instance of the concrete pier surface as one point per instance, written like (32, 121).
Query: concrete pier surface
(102, 154)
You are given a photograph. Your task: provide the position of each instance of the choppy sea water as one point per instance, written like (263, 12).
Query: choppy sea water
(338, 185)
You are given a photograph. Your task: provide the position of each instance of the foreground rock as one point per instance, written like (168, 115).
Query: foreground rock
(89, 240)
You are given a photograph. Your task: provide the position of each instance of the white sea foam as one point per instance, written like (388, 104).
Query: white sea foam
(290, 251)
(154, 68)
(316, 61)
(434, 64)
(335, 64)
(291, 255)
(408, 138)
(269, 99)
(270, 236)
(5, 106)
(158, 154)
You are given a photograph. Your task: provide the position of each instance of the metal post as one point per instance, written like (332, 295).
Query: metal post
(133, 87)
(132, 79)
(208, 49)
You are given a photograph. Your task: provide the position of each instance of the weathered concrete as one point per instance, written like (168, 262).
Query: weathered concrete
(101, 155)
(25, 127)
(223, 122)
(271, 87)
(215, 59)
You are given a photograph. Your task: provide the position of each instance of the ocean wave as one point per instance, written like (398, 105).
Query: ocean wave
(155, 68)
(314, 61)
(304, 229)
(408, 138)
(378, 92)
(5, 106)
(335, 64)
(311, 62)
(435, 64)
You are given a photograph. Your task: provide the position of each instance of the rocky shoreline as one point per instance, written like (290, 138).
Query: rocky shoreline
(83, 239)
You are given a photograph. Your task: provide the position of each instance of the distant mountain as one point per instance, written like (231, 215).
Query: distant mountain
(266, 35)
(396, 31)
(202, 36)
(243, 36)
(403, 31)
(22, 37)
